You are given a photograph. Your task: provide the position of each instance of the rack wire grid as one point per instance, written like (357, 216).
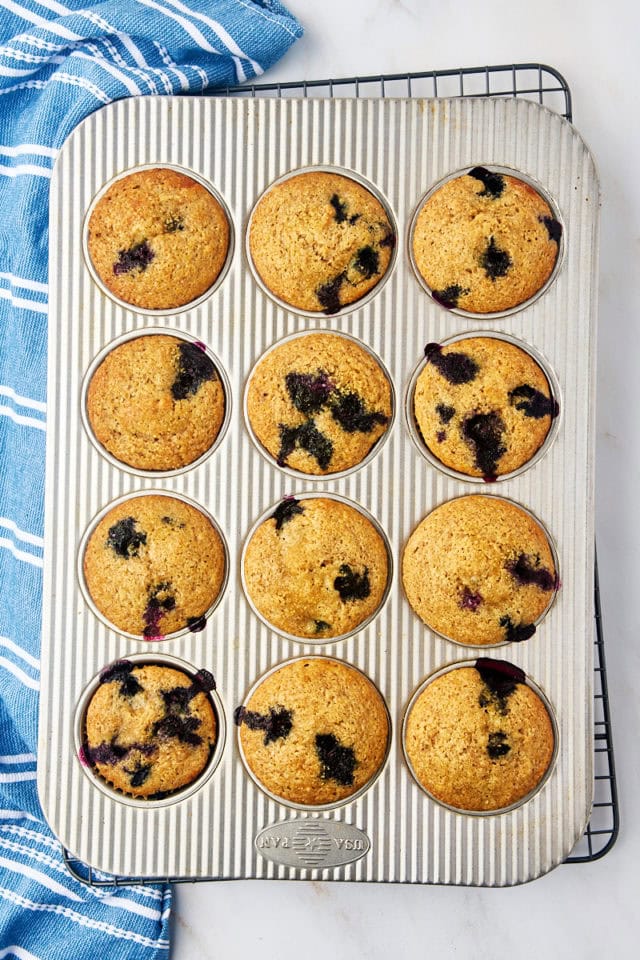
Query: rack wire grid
(545, 85)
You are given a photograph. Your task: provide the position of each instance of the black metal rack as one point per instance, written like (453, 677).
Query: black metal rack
(544, 85)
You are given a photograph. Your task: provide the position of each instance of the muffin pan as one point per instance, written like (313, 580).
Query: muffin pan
(227, 826)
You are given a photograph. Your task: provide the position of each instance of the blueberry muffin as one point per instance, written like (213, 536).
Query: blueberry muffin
(482, 406)
(154, 565)
(315, 731)
(485, 242)
(156, 402)
(479, 570)
(320, 241)
(318, 403)
(149, 730)
(478, 738)
(158, 239)
(316, 568)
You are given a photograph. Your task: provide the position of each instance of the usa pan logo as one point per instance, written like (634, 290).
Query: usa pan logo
(312, 844)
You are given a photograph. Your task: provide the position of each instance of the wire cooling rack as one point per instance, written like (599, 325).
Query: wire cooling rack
(544, 85)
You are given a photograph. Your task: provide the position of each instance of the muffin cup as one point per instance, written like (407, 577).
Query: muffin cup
(305, 806)
(325, 495)
(175, 796)
(356, 304)
(85, 589)
(135, 335)
(506, 171)
(554, 592)
(481, 813)
(552, 433)
(168, 311)
(378, 444)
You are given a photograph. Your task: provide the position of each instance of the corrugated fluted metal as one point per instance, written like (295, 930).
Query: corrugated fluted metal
(402, 147)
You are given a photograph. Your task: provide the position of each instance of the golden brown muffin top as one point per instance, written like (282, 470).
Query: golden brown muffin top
(154, 565)
(149, 729)
(156, 402)
(482, 405)
(314, 731)
(485, 241)
(479, 570)
(157, 238)
(316, 568)
(318, 403)
(320, 241)
(478, 738)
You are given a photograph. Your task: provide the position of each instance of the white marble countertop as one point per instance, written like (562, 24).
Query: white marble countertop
(578, 910)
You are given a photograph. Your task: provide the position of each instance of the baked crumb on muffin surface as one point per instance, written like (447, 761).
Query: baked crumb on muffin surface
(156, 402)
(149, 729)
(318, 403)
(483, 406)
(478, 738)
(479, 570)
(314, 731)
(485, 241)
(157, 238)
(320, 241)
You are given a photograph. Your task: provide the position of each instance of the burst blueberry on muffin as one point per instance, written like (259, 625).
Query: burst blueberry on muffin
(156, 402)
(482, 405)
(316, 568)
(315, 731)
(318, 403)
(320, 241)
(485, 242)
(158, 239)
(479, 738)
(479, 570)
(154, 565)
(149, 730)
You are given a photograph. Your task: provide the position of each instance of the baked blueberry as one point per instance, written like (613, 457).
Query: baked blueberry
(456, 367)
(450, 295)
(137, 257)
(194, 369)
(533, 403)
(516, 632)
(276, 723)
(527, 570)
(494, 261)
(485, 432)
(125, 538)
(349, 410)
(309, 392)
(493, 182)
(122, 672)
(352, 585)
(286, 510)
(498, 745)
(337, 762)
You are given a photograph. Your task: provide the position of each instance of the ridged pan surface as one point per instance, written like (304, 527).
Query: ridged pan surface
(229, 828)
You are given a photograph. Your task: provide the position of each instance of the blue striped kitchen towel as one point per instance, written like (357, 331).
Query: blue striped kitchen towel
(59, 61)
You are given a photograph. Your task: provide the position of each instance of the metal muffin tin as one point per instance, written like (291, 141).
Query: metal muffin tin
(228, 828)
